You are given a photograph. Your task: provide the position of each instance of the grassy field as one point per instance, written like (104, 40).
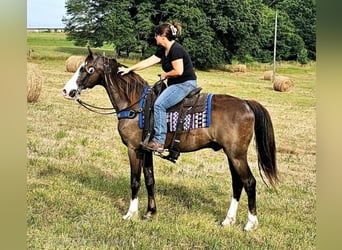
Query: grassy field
(78, 171)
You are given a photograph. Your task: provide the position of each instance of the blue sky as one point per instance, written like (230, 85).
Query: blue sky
(45, 13)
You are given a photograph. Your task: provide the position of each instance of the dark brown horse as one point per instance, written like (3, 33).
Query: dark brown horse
(233, 122)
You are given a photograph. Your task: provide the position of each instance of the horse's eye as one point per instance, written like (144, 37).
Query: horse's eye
(91, 70)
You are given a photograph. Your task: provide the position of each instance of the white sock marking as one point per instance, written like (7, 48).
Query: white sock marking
(231, 214)
(133, 209)
(252, 222)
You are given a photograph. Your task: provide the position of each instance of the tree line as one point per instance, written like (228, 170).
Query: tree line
(214, 31)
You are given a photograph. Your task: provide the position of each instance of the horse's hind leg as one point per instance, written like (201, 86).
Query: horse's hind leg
(242, 177)
(237, 189)
(249, 184)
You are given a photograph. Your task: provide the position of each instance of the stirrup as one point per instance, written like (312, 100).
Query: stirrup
(169, 156)
(161, 154)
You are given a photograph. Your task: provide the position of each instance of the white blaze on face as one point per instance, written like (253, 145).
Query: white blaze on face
(70, 88)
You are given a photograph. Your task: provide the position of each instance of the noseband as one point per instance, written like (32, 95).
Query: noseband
(89, 71)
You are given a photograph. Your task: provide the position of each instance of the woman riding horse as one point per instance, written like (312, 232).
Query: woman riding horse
(180, 75)
(233, 123)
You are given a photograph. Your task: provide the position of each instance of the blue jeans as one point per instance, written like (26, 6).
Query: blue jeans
(168, 98)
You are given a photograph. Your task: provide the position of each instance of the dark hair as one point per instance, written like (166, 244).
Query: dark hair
(171, 30)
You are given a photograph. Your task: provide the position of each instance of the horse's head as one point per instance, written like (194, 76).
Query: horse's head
(88, 75)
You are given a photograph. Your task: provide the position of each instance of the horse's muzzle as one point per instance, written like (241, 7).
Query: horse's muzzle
(69, 95)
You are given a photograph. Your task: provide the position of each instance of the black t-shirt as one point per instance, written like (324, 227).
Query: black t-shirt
(176, 52)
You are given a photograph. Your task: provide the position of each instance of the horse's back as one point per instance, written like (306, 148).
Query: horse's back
(227, 110)
(232, 123)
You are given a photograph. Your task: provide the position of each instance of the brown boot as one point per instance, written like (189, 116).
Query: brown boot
(154, 146)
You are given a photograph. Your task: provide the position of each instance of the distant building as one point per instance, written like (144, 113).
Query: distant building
(45, 29)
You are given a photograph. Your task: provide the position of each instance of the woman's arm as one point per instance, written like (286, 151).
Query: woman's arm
(178, 69)
(140, 65)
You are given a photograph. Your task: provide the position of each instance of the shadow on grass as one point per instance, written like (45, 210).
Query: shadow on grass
(117, 188)
(194, 199)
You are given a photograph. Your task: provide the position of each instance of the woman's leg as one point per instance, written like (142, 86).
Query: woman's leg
(168, 98)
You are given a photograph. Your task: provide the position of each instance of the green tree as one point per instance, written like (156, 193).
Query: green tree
(198, 37)
(303, 56)
(98, 22)
(85, 21)
(303, 16)
(215, 32)
(201, 41)
(264, 50)
(235, 23)
(289, 43)
(143, 27)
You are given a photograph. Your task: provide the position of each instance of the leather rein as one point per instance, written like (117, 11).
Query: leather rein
(95, 109)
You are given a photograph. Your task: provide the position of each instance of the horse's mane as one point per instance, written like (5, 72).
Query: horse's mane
(130, 85)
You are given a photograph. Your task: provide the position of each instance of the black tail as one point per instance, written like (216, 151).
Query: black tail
(265, 142)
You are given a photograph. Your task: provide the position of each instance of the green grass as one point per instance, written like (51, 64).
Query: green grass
(78, 170)
(47, 45)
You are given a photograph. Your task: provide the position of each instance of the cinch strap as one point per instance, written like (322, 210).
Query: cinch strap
(141, 105)
(130, 114)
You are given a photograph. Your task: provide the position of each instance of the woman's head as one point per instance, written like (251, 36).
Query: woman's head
(170, 30)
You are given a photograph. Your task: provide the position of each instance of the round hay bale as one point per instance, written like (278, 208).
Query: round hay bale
(73, 62)
(282, 84)
(240, 68)
(268, 75)
(34, 82)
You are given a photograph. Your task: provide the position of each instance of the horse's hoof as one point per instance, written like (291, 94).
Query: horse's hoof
(149, 216)
(228, 221)
(251, 225)
(130, 215)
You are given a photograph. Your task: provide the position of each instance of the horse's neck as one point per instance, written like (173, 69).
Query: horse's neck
(119, 100)
(113, 93)
(113, 98)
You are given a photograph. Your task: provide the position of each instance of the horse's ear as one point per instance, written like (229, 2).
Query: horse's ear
(90, 51)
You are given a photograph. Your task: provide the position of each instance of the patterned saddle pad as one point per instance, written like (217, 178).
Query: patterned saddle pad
(198, 116)
(198, 109)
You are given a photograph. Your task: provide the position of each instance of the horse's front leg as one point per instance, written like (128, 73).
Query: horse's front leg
(136, 164)
(149, 182)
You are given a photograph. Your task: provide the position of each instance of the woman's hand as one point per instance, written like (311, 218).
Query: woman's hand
(123, 70)
(163, 76)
